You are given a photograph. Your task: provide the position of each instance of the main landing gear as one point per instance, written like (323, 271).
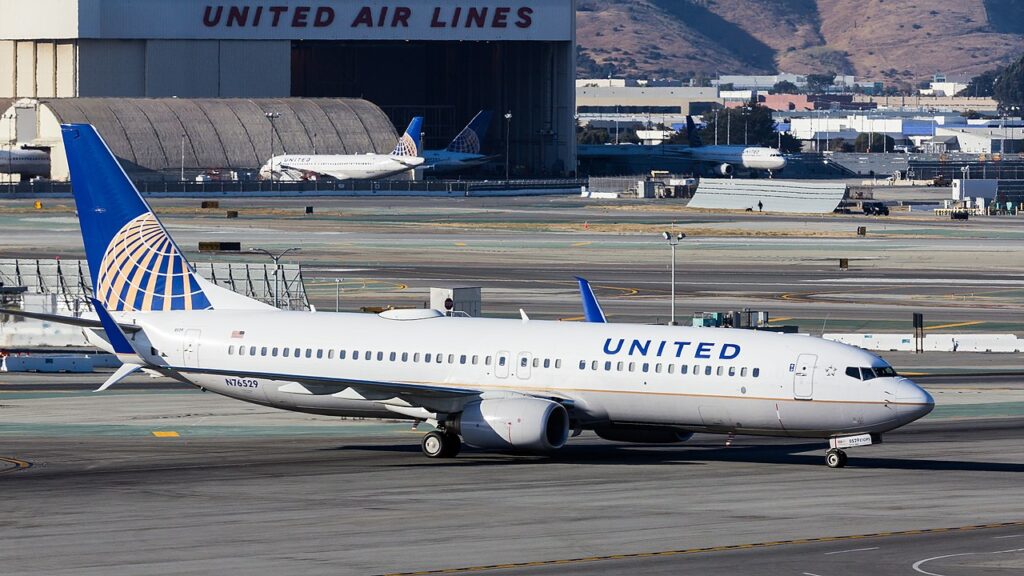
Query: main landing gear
(835, 458)
(441, 444)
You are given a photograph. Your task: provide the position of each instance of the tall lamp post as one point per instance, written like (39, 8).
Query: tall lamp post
(508, 127)
(271, 116)
(277, 267)
(673, 241)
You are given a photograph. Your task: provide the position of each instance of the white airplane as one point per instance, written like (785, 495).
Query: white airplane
(25, 162)
(722, 160)
(496, 384)
(464, 151)
(370, 166)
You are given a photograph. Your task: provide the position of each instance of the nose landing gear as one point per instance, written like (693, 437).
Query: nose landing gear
(835, 458)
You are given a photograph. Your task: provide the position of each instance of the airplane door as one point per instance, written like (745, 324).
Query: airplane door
(523, 365)
(190, 348)
(501, 362)
(803, 376)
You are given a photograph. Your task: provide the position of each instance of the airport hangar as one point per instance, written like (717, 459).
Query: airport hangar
(442, 60)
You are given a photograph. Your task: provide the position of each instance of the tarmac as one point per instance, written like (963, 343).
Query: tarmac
(154, 477)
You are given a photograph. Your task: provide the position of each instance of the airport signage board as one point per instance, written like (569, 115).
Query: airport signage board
(491, 20)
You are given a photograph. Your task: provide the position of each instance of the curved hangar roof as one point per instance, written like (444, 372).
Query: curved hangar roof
(233, 134)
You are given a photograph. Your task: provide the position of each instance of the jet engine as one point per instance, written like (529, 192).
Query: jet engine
(724, 169)
(527, 424)
(643, 434)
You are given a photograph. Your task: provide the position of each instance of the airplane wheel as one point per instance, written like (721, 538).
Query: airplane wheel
(434, 444)
(835, 458)
(452, 445)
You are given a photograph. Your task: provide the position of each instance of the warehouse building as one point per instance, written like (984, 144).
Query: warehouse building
(444, 61)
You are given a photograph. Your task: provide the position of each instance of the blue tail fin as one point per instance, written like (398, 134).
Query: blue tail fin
(592, 311)
(409, 143)
(134, 264)
(691, 133)
(472, 136)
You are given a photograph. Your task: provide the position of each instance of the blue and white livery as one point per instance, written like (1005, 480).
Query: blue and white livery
(465, 150)
(509, 385)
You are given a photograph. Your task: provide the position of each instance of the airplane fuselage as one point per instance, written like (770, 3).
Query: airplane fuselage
(25, 162)
(446, 161)
(338, 166)
(749, 157)
(720, 380)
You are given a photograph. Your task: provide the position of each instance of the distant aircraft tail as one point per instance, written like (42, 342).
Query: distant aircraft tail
(470, 140)
(134, 263)
(691, 132)
(409, 143)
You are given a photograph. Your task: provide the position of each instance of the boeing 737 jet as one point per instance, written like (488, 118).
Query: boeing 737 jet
(464, 151)
(495, 384)
(25, 162)
(404, 157)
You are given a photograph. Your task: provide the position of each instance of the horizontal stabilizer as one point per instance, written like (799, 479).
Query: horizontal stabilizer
(69, 320)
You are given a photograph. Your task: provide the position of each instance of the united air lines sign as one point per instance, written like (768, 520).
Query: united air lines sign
(543, 20)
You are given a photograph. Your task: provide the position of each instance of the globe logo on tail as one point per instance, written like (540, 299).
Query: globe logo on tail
(142, 270)
(406, 146)
(467, 142)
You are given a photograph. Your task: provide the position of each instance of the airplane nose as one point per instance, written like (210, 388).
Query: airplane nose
(914, 402)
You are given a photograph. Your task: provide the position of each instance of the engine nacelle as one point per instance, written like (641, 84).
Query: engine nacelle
(528, 424)
(724, 169)
(643, 434)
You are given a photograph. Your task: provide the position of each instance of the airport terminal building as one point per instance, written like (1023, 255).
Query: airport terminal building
(442, 60)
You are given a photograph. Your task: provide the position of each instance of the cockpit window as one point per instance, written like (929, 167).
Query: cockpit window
(870, 373)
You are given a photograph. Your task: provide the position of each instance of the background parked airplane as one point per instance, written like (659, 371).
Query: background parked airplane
(464, 150)
(404, 157)
(25, 162)
(723, 160)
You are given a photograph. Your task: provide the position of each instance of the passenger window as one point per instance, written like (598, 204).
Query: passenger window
(536, 362)
(405, 356)
(501, 361)
(853, 372)
(241, 350)
(732, 370)
(620, 365)
(309, 352)
(644, 367)
(438, 358)
(297, 352)
(380, 356)
(286, 351)
(632, 366)
(657, 368)
(393, 356)
(558, 363)
(583, 364)
(743, 372)
(476, 359)
(263, 351)
(252, 350)
(330, 354)
(756, 372)
(719, 371)
(696, 370)
(341, 354)
(487, 361)
(427, 357)
(707, 370)
(273, 351)
(523, 362)
(319, 353)
(670, 368)
(547, 363)
(593, 365)
(683, 368)
(231, 351)
(451, 358)
(462, 359)
(416, 357)
(607, 366)
(355, 354)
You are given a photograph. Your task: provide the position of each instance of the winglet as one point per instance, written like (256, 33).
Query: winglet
(592, 311)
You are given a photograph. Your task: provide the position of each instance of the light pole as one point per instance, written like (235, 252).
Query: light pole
(271, 116)
(337, 294)
(508, 127)
(277, 267)
(183, 157)
(673, 241)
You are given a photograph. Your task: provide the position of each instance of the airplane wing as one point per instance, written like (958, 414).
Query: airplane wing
(431, 397)
(70, 320)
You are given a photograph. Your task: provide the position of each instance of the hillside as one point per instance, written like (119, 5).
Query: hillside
(880, 39)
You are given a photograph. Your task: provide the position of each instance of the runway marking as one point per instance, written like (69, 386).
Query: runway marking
(460, 244)
(917, 565)
(1010, 536)
(571, 319)
(810, 574)
(165, 434)
(579, 244)
(863, 549)
(783, 319)
(731, 547)
(18, 465)
(955, 325)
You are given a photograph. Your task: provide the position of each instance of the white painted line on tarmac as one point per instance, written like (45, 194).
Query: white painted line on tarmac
(810, 574)
(1010, 536)
(917, 565)
(854, 550)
